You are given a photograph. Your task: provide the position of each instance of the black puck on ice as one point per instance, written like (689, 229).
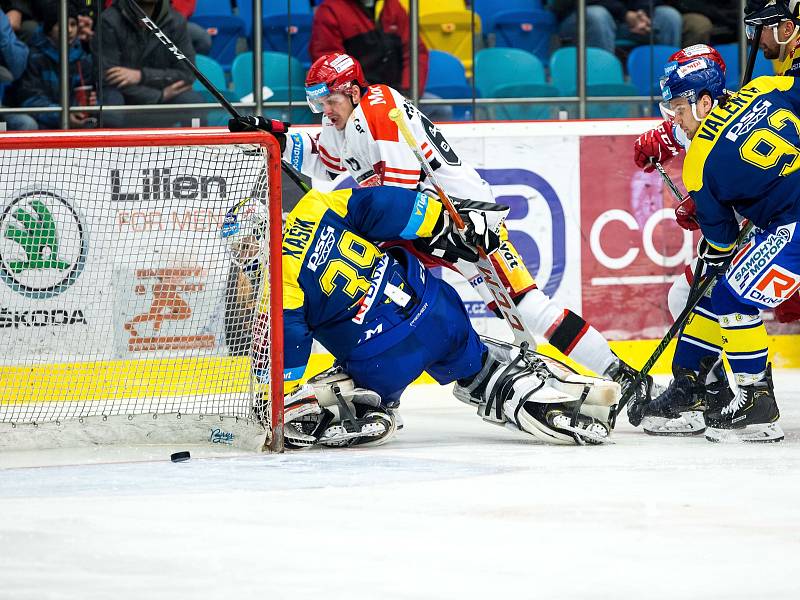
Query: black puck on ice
(180, 456)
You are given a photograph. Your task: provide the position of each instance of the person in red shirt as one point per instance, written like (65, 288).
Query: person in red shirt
(377, 36)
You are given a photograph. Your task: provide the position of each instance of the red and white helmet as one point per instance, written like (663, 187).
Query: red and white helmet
(696, 51)
(330, 74)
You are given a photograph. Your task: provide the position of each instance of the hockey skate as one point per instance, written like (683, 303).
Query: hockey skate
(751, 416)
(679, 410)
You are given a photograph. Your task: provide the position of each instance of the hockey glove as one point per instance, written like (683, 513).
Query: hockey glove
(482, 221)
(655, 145)
(715, 259)
(277, 128)
(686, 214)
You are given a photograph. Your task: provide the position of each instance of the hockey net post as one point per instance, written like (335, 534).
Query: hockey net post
(126, 317)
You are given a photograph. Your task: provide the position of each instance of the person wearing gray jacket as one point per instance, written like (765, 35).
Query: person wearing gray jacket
(136, 68)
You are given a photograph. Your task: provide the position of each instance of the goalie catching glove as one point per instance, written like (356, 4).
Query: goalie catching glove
(482, 221)
(278, 129)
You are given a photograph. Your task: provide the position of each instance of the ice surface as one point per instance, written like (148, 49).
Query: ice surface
(452, 508)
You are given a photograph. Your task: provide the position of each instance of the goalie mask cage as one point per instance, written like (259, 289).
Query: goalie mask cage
(140, 289)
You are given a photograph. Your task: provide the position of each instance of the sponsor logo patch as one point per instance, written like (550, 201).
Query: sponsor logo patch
(43, 244)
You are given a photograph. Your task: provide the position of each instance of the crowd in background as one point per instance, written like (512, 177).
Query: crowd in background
(114, 60)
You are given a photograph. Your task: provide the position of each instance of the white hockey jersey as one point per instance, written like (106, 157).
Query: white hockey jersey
(371, 149)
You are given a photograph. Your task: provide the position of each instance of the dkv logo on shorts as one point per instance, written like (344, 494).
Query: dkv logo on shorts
(43, 244)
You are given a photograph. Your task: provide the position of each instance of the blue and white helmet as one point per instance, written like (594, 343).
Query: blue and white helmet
(691, 80)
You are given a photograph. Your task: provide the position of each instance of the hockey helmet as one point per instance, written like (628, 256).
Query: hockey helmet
(697, 51)
(691, 80)
(330, 74)
(772, 13)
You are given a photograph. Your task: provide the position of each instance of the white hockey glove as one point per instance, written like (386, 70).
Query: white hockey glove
(482, 222)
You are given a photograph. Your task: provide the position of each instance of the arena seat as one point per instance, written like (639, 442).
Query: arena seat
(278, 70)
(510, 73)
(450, 31)
(646, 67)
(447, 79)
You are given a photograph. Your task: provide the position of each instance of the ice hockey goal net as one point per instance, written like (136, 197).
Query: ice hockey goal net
(134, 268)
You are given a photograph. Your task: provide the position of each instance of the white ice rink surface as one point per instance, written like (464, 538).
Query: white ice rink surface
(452, 508)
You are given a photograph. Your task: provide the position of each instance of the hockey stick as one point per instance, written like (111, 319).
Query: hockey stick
(698, 267)
(501, 297)
(705, 283)
(180, 56)
(751, 57)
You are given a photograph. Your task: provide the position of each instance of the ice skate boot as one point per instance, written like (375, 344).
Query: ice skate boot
(751, 416)
(679, 410)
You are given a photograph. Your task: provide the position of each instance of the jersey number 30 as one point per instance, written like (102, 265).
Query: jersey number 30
(764, 148)
(342, 273)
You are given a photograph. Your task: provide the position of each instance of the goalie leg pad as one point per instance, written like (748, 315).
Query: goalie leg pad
(522, 389)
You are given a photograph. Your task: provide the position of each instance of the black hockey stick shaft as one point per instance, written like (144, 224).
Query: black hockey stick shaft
(751, 57)
(705, 284)
(180, 56)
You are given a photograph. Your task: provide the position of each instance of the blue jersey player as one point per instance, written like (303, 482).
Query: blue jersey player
(743, 160)
(386, 319)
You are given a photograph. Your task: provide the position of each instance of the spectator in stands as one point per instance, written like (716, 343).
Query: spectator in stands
(201, 40)
(13, 58)
(608, 19)
(138, 69)
(379, 39)
(40, 85)
(28, 15)
(708, 22)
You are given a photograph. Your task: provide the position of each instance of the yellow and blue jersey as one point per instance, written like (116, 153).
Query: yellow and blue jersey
(338, 286)
(744, 158)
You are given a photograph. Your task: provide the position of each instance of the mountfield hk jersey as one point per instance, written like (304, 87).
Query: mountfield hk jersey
(338, 286)
(744, 158)
(371, 149)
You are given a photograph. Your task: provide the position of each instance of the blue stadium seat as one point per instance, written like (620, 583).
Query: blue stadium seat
(284, 32)
(225, 31)
(646, 67)
(270, 8)
(610, 110)
(215, 74)
(524, 112)
(279, 70)
(500, 66)
(730, 54)
(447, 79)
(601, 67)
(498, 73)
(528, 30)
(213, 8)
(487, 9)
(763, 67)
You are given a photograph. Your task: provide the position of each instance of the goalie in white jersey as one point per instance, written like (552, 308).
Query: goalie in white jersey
(359, 138)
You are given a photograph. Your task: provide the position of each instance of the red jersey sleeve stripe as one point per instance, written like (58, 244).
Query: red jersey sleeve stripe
(414, 172)
(404, 182)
